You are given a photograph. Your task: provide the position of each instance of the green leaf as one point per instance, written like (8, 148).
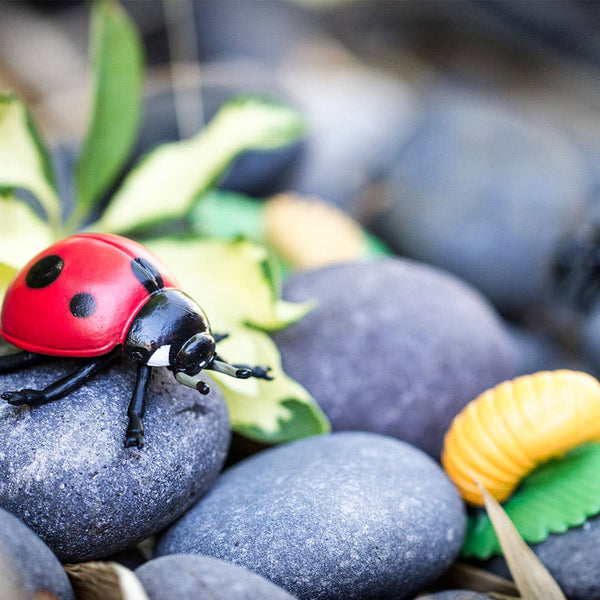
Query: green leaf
(7, 274)
(267, 411)
(233, 282)
(24, 158)
(166, 181)
(558, 495)
(117, 60)
(22, 233)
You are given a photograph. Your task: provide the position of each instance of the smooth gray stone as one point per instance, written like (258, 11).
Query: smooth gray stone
(395, 347)
(189, 577)
(65, 472)
(27, 565)
(347, 515)
(572, 559)
(486, 193)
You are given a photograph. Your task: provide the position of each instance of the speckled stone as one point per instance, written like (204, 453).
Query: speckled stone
(454, 595)
(573, 559)
(486, 193)
(349, 515)
(27, 565)
(394, 347)
(189, 577)
(65, 472)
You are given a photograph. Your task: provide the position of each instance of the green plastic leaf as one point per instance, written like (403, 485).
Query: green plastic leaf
(7, 273)
(24, 159)
(233, 283)
(558, 495)
(165, 183)
(22, 233)
(117, 60)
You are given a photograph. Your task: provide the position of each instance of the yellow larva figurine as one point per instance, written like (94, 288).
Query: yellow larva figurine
(506, 432)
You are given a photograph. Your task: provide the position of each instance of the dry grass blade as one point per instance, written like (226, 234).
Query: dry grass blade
(466, 577)
(531, 577)
(104, 581)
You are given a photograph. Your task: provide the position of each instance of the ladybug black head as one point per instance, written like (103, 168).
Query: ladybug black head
(195, 354)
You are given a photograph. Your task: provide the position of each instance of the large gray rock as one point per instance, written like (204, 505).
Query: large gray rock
(28, 569)
(350, 515)
(394, 347)
(189, 577)
(65, 472)
(487, 194)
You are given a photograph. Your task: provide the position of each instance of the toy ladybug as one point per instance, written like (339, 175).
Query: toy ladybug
(94, 296)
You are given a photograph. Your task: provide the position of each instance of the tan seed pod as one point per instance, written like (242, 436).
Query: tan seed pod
(506, 432)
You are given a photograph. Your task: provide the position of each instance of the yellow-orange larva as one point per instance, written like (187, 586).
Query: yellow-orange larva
(507, 431)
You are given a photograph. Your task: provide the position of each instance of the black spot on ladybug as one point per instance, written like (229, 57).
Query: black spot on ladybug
(44, 272)
(82, 305)
(147, 275)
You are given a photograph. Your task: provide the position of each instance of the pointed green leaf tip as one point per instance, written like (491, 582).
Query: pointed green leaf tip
(24, 159)
(235, 284)
(165, 183)
(558, 495)
(117, 62)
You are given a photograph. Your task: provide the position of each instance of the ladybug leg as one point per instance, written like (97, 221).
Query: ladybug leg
(63, 386)
(219, 337)
(19, 360)
(137, 408)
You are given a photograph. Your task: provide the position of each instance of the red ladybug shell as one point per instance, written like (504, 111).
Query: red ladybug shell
(79, 296)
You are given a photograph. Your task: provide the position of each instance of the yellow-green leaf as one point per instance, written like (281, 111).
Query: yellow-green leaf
(24, 159)
(234, 281)
(22, 233)
(268, 411)
(166, 182)
(117, 61)
(234, 285)
(6, 276)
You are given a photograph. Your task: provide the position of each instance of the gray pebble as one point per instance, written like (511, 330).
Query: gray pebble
(394, 347)
(487, 194)
(349, 515)
(27, 565)
(190, 577)
(65, 472)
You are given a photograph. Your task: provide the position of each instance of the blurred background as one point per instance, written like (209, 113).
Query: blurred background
(464, 134)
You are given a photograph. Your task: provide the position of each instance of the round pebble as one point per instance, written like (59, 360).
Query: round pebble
(28, 569)
(487, 194)
(349, 515)
(65, 472)
(394, 347)
(189, 577)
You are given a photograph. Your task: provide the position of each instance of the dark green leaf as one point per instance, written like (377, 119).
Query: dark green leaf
(117, 61)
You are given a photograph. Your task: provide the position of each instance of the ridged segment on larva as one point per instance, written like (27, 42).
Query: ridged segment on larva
(506, 432)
